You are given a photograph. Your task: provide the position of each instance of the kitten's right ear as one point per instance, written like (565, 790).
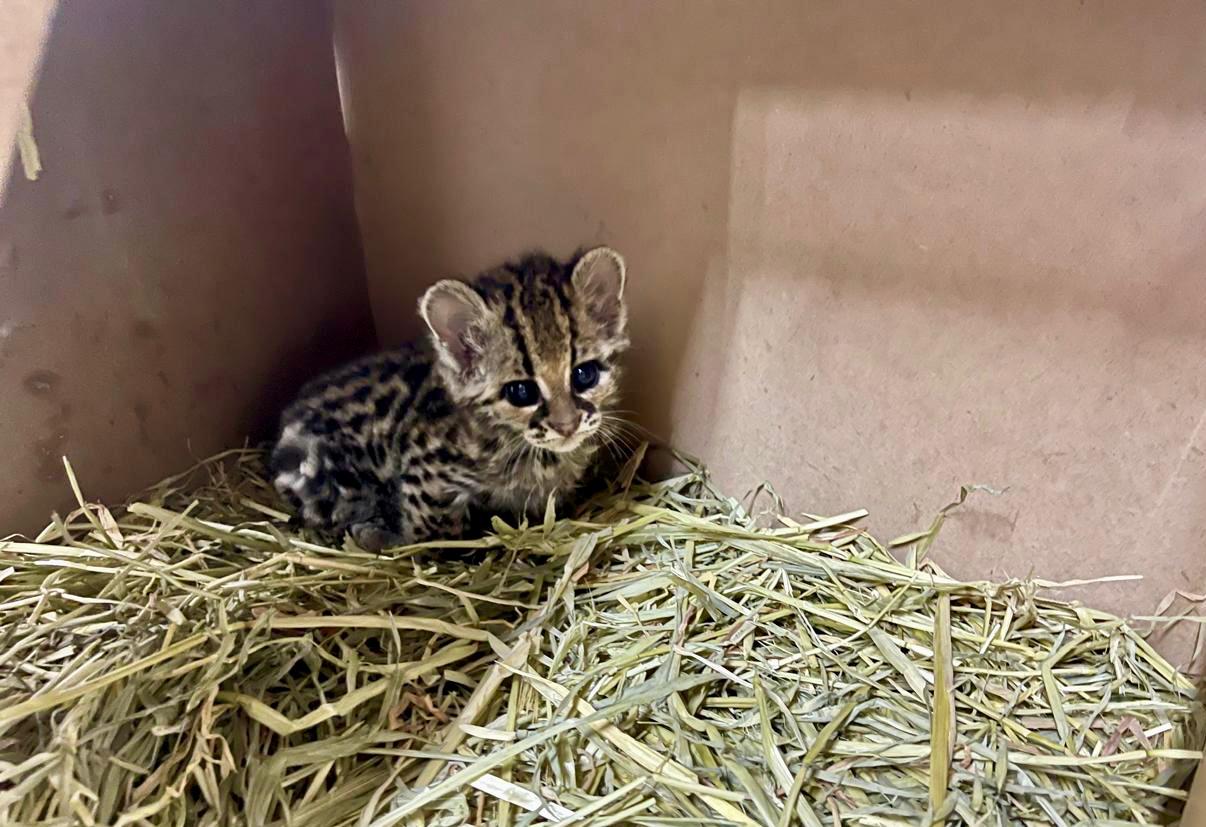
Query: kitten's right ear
(455, 314)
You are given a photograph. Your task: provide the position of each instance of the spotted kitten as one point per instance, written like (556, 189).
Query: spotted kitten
(504, 404)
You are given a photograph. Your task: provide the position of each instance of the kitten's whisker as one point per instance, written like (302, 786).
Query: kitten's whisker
(608, 443)
(622, 428)
(520, 454)
(617, 443)
(612, 432)
(633, 426)
(629, 439)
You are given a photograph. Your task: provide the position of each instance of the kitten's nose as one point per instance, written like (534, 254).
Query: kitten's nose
(566, 427)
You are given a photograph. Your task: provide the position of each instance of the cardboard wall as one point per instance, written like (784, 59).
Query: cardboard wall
(187, 255)
(877, 250)
(23, 25)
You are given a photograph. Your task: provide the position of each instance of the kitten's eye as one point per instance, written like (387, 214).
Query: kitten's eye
(522, 394)
(585, 376)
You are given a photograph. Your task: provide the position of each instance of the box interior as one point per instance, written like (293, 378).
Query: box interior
(876, 251)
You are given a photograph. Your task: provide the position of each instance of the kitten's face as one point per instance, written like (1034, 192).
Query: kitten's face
(535, 346)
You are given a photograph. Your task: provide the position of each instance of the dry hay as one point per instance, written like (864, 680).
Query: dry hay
(193, 660)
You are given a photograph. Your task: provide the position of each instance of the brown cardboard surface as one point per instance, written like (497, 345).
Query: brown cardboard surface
(877, 250)
(1195, 808)
(23, 25)
(188, 254)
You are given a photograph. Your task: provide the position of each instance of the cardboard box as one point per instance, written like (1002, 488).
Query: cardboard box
(876, 250)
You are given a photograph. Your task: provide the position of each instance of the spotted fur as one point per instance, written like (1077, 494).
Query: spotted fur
(409, 444)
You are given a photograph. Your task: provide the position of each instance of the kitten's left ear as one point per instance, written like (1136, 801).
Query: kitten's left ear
(598, 279)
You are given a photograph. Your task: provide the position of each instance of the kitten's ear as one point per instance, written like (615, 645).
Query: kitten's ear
(456, 314)
(598, 281)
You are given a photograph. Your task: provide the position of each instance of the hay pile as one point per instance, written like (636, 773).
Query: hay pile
(660, 661)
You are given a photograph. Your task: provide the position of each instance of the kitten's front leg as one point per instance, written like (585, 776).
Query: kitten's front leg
(366, 518)
(433, 515)
(374, 536)
(451, 524)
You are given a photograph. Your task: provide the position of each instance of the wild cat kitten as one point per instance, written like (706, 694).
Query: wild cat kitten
(500, 407)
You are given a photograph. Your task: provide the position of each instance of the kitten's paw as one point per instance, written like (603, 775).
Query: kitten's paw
(374, 537)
